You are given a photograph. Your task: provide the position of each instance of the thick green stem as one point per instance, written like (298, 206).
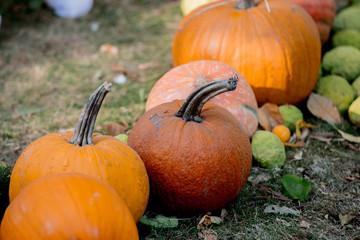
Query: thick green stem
(85, 126)
(192, 106)
(244, 4)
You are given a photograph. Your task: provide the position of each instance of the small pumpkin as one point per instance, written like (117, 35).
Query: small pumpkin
(180, 81)
(197, 155)
(82, 151)
(277, 51)
(68, 206)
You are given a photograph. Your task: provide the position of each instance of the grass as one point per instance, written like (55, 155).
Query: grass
(50, 66)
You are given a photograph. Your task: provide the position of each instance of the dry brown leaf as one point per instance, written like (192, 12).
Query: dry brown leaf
(323, 108)
(298, 144)
(346, 219)
(114, 129)
(207, 220)
(350, 179)
(304, 224)
(207, 234)
(273, 113)
(109, 49)
(264, 121)
(321, 139)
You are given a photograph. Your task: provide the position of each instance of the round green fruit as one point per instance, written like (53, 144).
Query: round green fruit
(291, 115)
(338, 90)
(354, 112)
(356, 86)
(268, 150)
(122, 137)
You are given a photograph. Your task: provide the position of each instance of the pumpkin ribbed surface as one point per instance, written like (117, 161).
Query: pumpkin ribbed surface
(180, 81)
(68, 206)
(278, 52)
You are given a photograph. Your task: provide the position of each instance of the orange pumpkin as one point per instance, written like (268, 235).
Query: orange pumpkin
(82, 151)
(197, 156)
(68, 206)
(277, 51)
(180, 81)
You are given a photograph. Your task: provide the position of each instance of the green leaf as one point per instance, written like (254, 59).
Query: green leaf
(295, 187)
(160, 221)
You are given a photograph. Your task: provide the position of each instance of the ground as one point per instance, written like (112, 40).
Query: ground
(49, 67)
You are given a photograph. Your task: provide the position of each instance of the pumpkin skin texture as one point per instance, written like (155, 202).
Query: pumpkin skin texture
(278, 52)
(180, 81)
(194, 165)
(68, 206)
(107, 159)
(322, 11)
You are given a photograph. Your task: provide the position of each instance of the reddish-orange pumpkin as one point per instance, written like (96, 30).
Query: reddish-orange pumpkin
(101, 156)
(68, 206)
(180, 81)
(277, 51)
(198, 157)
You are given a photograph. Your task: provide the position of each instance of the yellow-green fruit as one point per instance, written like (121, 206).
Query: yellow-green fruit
(122, 137)
(187, 6)
(356, 86)
(267, 149)
(291, 114)
(354, 112)
(338, 90)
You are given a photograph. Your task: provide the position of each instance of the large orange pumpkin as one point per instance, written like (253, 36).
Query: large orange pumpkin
(197, 156)
(82, 151)
(68, 206)
(277, 51)
(180, 81)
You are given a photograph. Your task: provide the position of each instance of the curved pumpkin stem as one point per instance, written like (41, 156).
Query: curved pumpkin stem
(244, 4)
(85, 126)
(191, 109)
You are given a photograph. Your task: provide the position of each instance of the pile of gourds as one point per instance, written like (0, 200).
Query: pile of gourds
(192, 145)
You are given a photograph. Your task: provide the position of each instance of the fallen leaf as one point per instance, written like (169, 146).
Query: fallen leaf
(160, 221)
(281, 210)
(259, 178)
(350, 179)
(302, 124)
(283, 222)
(304, 224)
(109, 49)
(321, 139)
(346, 219)
(223, 214)
(347, 136)
(207, 234)
(323, 183)
(298, 155)
(298, 144)
(207, 220)
(114, 129)
(273, 113)
(264, 121)
(144, 66)
(296, 187)
(323, 108)
(275, 194)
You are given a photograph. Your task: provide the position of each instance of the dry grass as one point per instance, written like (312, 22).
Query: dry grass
(49, 67)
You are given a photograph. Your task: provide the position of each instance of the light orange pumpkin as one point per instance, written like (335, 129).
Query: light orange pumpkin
(278, 52)
(68, 206)
(82, 151)
(197, 155)
(180, 81)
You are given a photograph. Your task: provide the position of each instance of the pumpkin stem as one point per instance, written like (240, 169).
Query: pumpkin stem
(244, 4)
(190, 110)
(85, 126)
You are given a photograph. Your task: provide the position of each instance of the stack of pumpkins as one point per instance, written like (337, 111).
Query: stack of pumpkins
(77, 185)
(192, 142)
